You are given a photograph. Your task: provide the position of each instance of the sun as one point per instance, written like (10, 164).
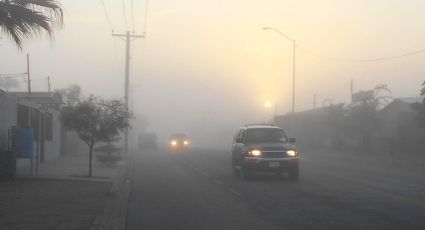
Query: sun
(268, 104)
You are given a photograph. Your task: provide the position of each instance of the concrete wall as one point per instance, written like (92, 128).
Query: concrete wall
(400, 130)
(397, 131)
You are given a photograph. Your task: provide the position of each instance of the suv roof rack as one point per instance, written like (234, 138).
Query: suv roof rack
(259, 125)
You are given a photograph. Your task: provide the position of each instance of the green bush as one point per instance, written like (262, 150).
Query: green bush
(108, 154)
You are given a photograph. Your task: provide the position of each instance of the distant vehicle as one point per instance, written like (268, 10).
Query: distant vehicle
(147, 141)
(179, 142)
(264, 148)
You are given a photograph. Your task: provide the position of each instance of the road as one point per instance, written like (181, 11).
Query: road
(196, 190)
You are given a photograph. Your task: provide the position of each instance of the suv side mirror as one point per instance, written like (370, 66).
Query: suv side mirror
(292, 140)
(239, 140)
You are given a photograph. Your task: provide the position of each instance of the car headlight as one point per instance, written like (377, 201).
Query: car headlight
(255, 152)
(173, 143)
(291, 153)
(186, 142)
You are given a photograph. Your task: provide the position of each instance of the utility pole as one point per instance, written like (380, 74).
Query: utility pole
(28, 73)
(315, 101)
(48, 83)
(293, 78)
(352, 90)
(127, 37)
(29, 110)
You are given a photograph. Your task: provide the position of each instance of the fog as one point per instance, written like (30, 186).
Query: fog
(207, 67)
(333, 90)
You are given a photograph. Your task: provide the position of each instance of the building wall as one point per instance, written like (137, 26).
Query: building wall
(8, 118)
(53, 148)
(8, 107)
(73, 145)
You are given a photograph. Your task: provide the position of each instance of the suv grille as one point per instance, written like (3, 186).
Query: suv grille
(272, 154)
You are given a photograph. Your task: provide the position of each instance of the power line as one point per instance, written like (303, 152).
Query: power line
(12, 75)
(39, 79)
(125, 14)
(132, 14)
(107, 15)
(146, 17)
(378, 59)
(108, 18)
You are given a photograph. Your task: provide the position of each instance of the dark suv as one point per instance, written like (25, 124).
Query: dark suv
(264, 148)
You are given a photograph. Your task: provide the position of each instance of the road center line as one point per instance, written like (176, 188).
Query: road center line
(234, 192)
(218, 182)
(262, 209)
(205, 174)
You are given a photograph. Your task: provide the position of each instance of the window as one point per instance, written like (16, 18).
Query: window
(241, 135)
(266, 135)
(23, 116)
(34, 123)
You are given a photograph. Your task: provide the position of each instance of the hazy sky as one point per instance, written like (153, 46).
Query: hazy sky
(210, 61)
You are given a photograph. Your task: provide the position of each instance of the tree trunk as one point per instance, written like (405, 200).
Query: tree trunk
(90, 160)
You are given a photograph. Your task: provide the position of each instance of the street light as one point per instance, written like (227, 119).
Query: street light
(293, 67)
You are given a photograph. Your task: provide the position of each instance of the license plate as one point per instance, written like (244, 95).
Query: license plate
(274, 164)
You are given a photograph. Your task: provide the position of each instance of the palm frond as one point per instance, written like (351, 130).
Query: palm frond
(22, 18)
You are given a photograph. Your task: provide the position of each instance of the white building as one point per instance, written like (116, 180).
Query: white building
(38, 111)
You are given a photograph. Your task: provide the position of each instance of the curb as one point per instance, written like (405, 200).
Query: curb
(114, 214)
(92, 179)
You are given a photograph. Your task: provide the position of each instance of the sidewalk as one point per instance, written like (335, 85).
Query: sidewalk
(59, 196)
(73, 167)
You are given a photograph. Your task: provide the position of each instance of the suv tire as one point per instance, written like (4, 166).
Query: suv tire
(236, 172)
(294, 173)
(246, 174)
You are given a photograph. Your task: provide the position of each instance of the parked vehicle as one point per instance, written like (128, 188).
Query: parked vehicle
(147, 141)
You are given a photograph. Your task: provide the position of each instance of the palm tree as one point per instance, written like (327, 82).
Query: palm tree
(20, 19)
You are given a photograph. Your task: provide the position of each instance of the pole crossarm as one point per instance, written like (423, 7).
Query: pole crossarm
(131, 35)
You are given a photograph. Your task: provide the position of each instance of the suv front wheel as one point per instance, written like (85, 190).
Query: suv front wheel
(246, 173)
(294, 173)
(236, 172)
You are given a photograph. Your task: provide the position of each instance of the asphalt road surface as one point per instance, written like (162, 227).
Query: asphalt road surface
(197, 190)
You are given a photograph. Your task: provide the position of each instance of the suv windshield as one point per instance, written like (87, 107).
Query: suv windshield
(265, 135)
(178, 136)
